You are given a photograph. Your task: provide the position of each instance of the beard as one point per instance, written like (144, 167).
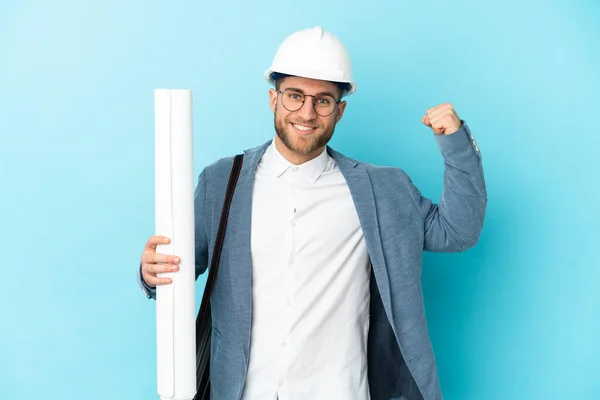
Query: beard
(304, 145)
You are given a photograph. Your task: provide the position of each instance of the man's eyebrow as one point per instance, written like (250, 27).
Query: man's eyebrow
(318, 94)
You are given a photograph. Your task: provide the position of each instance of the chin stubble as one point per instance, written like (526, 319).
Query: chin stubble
(313, 144)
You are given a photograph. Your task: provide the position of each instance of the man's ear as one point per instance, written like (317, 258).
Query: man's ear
(340, 111)
(272, 99)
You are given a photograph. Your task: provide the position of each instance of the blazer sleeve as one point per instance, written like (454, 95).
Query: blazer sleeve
(201, 237)
(455, 224)
(200, 225)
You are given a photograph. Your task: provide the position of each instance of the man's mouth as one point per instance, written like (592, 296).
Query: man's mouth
(303, 128)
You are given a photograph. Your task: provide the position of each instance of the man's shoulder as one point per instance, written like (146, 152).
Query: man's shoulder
(376, 172)
(222, 166)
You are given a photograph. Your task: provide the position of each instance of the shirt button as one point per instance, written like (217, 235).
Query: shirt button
(293, 223)
(291, 261)
(280, 383)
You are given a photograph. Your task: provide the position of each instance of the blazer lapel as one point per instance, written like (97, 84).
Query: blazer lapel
(238, 232)
(361, 190)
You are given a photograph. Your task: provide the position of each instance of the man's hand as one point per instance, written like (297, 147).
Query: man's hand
(154, 263)
(442, 119)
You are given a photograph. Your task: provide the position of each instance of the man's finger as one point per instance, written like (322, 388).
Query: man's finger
(439, 116)
(154, 241)
(159, 267)
(443, 106)
(153, 280)
(440, 111)
(158, 258)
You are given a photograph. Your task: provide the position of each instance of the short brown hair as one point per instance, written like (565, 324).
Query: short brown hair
(279, 78)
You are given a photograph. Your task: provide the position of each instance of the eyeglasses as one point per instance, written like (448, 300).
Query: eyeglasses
(323, 104)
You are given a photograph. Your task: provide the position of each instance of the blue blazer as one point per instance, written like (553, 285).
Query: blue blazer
(398, 225)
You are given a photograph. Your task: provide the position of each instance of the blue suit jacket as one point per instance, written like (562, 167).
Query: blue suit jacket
(398, 225)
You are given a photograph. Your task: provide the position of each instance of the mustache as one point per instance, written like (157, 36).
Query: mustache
(288, 119)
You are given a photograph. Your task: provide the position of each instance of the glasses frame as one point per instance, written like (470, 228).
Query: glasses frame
(336, 102)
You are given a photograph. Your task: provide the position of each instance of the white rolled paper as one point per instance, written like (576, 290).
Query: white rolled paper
(174, 213)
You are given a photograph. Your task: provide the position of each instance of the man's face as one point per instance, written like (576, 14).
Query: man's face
(304, 133)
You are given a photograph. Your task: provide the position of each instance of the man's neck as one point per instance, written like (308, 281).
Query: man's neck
(294, 157)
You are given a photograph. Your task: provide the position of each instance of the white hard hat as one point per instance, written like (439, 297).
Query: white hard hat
(316, 54)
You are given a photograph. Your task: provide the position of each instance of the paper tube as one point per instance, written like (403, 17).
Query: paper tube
(174, 213)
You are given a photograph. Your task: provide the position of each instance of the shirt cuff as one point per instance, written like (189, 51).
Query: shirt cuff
(147, 290)
(458, 141)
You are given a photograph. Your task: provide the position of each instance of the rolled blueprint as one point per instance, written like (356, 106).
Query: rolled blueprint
(174, 213)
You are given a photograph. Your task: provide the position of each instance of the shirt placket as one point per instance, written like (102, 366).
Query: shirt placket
(290, 272)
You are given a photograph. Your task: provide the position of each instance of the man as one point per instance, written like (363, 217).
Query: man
(318, 294)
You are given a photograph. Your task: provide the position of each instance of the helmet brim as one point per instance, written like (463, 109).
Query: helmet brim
(348, 87)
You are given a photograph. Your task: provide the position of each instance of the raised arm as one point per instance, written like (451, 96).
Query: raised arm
(455, 223)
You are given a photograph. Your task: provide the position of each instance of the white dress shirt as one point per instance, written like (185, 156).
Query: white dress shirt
(310, 284)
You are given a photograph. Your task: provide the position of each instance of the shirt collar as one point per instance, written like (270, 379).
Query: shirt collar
(309, 171)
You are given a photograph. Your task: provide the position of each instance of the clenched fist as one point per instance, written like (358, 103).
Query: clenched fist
(442, 119)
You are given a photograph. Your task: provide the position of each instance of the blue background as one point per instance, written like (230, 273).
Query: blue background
(514, 318)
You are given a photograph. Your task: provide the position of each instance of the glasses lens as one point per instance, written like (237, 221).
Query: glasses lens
(324, 105)
(292, 100)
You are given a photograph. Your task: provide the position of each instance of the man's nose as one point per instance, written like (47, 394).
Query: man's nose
(307, 111)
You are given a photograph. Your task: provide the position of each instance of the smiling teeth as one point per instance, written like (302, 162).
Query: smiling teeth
(302, 128)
